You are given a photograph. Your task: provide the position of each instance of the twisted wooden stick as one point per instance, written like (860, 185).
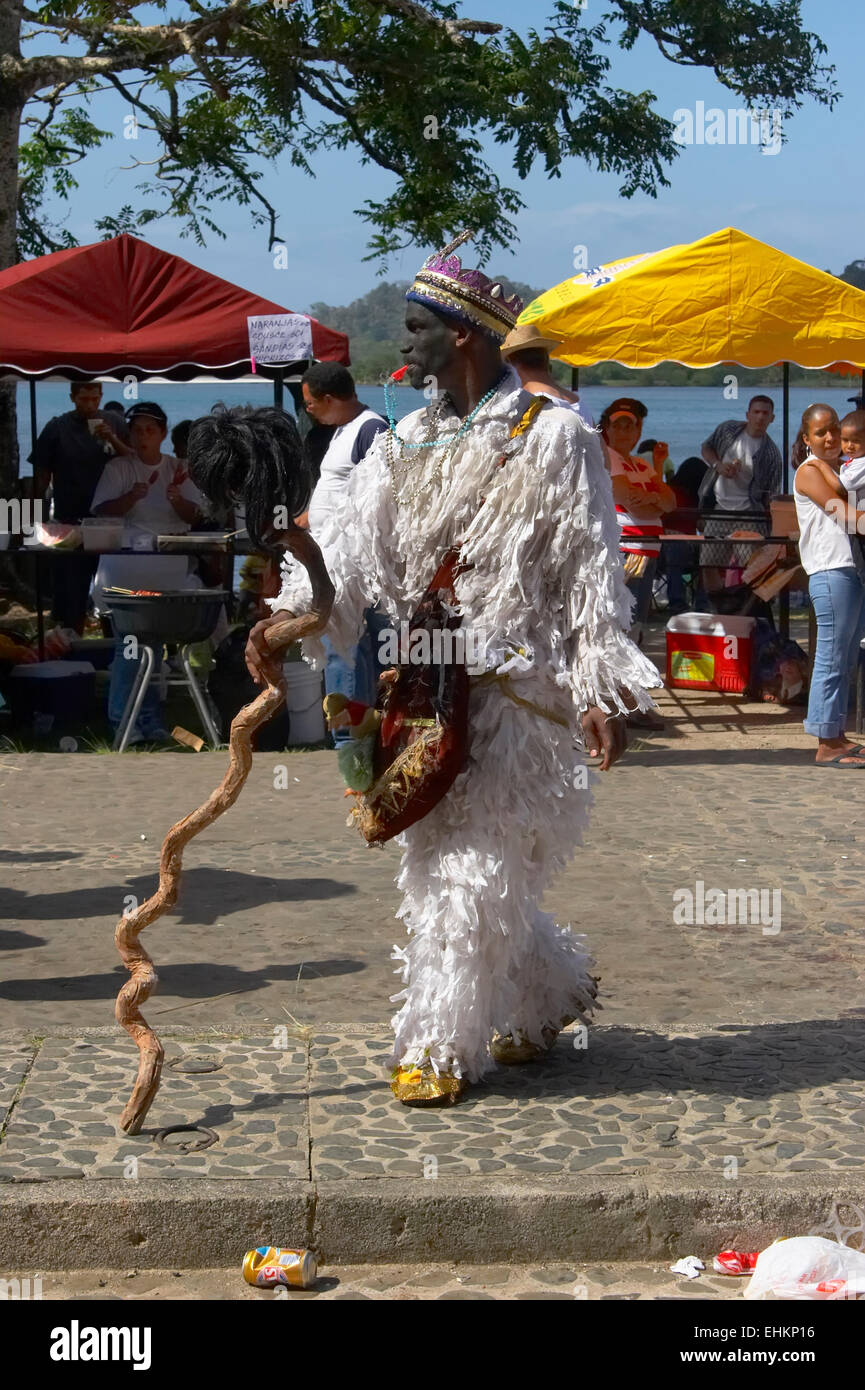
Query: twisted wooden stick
(143, 977)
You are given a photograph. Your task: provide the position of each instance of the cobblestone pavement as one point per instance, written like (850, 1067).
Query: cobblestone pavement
(283, 909)
(775, 1100)
(718, 1044)
(251, 1097)
(401, 1282)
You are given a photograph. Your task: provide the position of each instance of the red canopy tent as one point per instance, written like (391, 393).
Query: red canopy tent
(123, 307)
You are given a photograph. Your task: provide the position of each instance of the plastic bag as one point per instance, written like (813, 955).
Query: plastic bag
(808, 1267)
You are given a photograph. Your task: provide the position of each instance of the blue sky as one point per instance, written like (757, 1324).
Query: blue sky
(807, 199)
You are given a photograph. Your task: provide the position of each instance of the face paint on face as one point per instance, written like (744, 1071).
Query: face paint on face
(428, 345)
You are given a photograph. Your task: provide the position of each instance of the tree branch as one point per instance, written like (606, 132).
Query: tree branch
(454, 28)
(339, 108)
(141, 45)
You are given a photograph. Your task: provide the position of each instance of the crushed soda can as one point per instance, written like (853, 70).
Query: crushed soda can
(735, 1261)
(270, 1265)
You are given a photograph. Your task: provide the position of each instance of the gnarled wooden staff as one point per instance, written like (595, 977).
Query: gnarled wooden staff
(143, 977)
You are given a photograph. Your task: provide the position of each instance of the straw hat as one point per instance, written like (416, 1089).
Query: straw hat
(524, 336)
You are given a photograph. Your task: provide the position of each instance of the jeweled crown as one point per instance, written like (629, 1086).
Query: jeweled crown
(445, 284)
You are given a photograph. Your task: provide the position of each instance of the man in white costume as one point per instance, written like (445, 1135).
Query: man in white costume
(488, 976)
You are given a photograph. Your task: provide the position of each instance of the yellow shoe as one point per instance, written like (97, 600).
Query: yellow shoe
(418, 1084)
(512, 1050)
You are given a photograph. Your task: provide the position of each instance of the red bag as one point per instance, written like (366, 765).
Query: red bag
(422, 738)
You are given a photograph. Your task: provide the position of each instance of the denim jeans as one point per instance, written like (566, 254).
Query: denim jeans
(678, 558)
(838, 599)
(640, 586)
(358, 681)
(122, 679)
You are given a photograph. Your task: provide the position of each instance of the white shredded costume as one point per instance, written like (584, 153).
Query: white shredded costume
(546, 590)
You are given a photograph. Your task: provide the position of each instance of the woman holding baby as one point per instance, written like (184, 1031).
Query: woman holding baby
(824, 489)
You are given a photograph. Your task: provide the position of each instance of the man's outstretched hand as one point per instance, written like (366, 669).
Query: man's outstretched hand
(604, 735)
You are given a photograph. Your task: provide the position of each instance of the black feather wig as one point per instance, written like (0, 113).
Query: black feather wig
(252, 458)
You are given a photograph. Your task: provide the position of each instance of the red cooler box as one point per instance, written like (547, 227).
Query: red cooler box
(709, 651)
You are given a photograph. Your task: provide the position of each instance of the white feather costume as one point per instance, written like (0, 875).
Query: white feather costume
(546, 590)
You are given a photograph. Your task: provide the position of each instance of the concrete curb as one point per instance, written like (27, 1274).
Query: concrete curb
(178, 1224)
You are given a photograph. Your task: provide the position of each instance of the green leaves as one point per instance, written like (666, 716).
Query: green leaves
(224, 90)
(60, 140)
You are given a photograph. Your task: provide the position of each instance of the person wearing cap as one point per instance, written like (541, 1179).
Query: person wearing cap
(528, 352)
(153, 494)
(641, 500)
(520, 488)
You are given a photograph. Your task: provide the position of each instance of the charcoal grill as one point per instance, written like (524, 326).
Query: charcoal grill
(185, 616)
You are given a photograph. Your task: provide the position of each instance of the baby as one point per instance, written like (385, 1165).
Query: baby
(852, 474)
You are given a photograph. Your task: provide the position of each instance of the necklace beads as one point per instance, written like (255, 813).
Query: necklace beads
(447, 444)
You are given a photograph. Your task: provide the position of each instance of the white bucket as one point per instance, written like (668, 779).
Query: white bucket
(304, 691)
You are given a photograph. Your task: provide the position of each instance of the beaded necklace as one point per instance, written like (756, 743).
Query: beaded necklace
(431, 441)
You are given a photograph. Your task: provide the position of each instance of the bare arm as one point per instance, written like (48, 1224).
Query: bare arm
(186, 510)
(642, 502)
(709, 455)
(108, 436)
(823, 486)
(626, 495)
(666, 497)
(301, 545)
(119, 506)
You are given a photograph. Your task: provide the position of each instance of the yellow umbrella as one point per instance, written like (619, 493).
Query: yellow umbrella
(724, 298)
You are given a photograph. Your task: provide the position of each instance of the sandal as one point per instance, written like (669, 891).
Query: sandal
(838, 760)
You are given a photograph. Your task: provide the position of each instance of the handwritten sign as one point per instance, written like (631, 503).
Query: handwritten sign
(279, 338)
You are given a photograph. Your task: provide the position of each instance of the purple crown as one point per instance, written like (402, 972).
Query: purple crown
(452, 267)
(443, 283)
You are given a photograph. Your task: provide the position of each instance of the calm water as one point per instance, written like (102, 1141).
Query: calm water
(682, 415)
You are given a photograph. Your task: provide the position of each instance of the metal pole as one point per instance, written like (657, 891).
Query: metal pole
(862, 392)
(40, 616)
(278, 382)
(575, 378)
(786, 437)
(784, 596)
(33, 414)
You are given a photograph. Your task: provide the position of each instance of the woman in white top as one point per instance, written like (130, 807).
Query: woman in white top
(826, 522)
